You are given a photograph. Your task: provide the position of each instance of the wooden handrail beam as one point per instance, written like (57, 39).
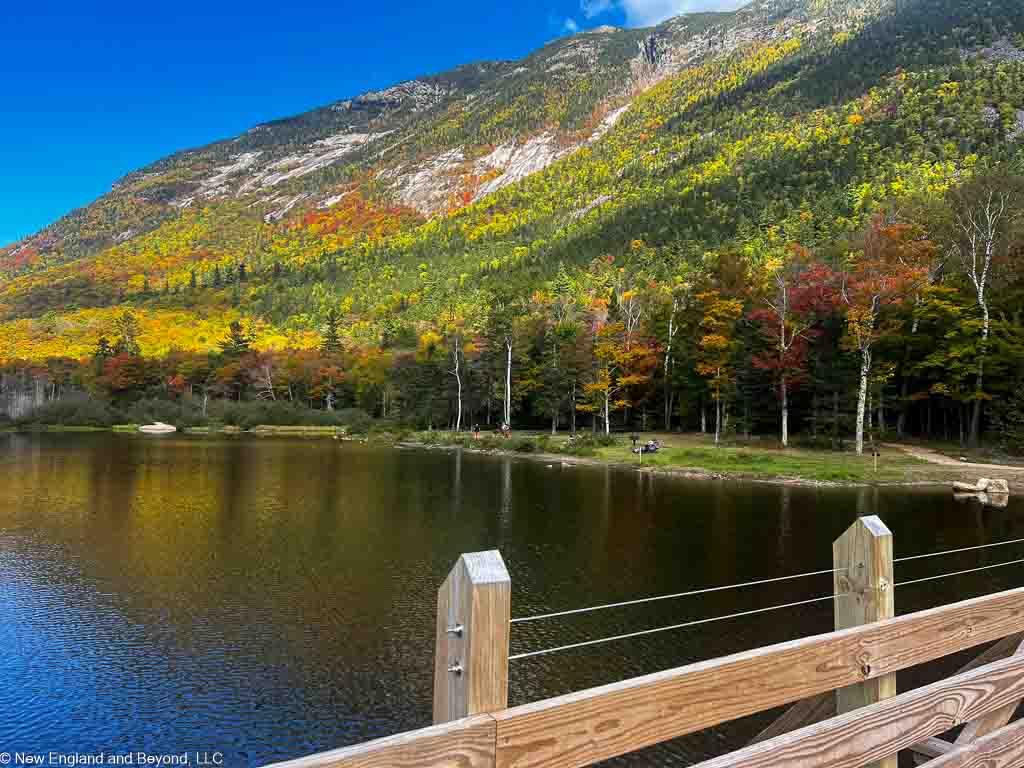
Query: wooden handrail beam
(582, 728)
(1001, 749)
(466, 743)
(879, 730)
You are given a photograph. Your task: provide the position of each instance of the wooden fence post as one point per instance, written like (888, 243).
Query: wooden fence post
(864, 589)
(471, 661)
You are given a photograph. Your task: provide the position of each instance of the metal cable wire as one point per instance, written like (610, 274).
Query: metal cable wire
(954, 551)
(642, 632)
(524, 619)
(958, 573)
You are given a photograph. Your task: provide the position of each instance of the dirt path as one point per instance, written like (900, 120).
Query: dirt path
(934, 457)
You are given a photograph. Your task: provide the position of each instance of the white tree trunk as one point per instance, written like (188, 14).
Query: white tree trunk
(979, 380)
(458, 386)
(268, 383)
(607, 411)
(668, 365)
(508, 383)
(862, 396)
(785, 411)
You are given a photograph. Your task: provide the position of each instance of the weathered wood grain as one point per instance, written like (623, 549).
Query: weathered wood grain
(592, 725)
(467, 743)
(932, 747)
(995, 652)
(879, 730)
(475, 599)
(991, 722)
(1001, 749)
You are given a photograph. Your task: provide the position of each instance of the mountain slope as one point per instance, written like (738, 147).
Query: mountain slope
(710, 132)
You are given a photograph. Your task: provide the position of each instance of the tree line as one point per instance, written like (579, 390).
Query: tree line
(912, 326)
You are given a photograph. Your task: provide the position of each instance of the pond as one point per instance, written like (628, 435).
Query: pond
(272, 597)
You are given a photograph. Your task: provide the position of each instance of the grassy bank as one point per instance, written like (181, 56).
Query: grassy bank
(762, 461)
(697, 455)
(188, 413)
(52, 428)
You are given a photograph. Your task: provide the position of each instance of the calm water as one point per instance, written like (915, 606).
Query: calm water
(269, 598)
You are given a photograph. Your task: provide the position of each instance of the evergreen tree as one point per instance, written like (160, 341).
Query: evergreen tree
(331, 342)
(101, 354)
(238, 341)
(127, 335)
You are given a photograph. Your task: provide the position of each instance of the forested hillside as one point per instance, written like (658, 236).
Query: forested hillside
(805, 216)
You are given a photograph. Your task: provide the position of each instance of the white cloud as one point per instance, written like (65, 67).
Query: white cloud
(646, 13)
(592, 8)
(569, 26)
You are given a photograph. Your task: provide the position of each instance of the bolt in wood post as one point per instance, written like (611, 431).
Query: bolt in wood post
(471, 661)
(864, 589)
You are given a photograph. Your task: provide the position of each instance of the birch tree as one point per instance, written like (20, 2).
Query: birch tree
(881, 274)
(986, 214)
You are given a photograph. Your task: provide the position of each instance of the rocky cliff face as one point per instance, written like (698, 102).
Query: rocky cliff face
(430, 144)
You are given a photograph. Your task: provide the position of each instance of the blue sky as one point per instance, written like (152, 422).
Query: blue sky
(92, 91)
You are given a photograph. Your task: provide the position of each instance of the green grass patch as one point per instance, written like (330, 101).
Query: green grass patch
(821, 466)
(275, 429)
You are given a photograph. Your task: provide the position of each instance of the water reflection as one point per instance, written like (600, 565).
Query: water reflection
(275, 597)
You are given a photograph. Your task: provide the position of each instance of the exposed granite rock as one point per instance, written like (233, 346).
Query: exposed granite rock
(428, 186)
(1002, 50)
(517, 161)
(595, 203)
(1017, 132)
(289, 203)
(414, 93)
(333, 200)
(246, 173)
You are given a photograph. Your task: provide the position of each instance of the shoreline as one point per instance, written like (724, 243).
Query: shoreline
(684, 473)
(934, 475)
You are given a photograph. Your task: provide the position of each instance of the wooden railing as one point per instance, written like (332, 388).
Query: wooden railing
(865, 722)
